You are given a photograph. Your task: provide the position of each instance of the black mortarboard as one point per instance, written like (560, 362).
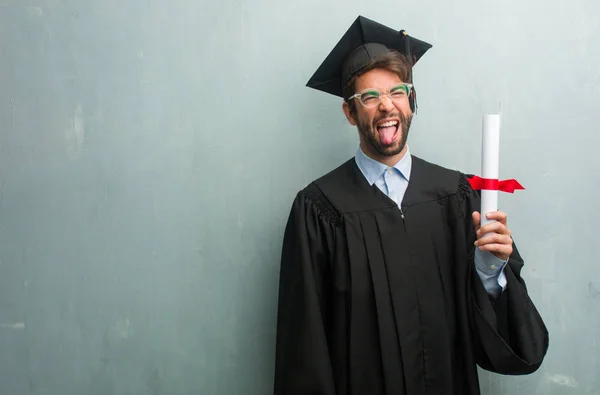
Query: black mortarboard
(364, 42)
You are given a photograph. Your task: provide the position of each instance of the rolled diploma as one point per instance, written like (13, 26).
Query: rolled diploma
(490, 153)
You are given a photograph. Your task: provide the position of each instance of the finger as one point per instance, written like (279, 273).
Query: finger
(493, 227)
(494, 238)
(502, 251)
(497, 215)
(476, 220)
(497, 248)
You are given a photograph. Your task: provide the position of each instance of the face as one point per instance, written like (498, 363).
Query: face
(383, 129)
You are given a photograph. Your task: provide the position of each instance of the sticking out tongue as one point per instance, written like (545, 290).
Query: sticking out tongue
(386, 134)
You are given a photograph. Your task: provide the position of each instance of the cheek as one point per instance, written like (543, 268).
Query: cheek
(404, 108)
(365, 117)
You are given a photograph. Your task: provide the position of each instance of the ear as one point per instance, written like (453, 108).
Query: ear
(348, 113)
(412, 100)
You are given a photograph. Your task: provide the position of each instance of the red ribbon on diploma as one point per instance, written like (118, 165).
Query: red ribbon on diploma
(491, 184)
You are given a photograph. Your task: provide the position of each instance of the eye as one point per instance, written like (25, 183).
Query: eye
(399, 92)
(370, 97)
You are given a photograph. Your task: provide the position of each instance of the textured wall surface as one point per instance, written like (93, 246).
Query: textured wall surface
(150, 151)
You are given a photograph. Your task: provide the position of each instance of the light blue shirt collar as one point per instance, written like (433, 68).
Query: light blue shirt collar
(373, 169)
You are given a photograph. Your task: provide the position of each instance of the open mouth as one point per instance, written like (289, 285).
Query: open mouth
(387, 131)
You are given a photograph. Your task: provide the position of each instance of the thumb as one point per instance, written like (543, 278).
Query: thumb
(476, 220)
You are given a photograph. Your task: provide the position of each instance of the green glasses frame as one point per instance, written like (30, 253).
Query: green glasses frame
(371, 97)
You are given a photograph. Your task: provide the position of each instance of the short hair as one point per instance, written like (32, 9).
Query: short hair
(393, 61)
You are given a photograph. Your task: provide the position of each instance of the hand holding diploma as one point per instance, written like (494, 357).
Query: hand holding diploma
(492, 231)
(495, 236)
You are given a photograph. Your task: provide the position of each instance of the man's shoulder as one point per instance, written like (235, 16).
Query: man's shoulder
(444, 180)
(335, 182)
(336, 189)
(345, 189)
(348, 171)
(339, 176)
(324, 195)
(434, 169)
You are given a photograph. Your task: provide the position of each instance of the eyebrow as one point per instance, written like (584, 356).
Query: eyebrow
(375, 90)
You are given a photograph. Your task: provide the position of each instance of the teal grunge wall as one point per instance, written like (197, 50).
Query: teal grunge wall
(150, 151)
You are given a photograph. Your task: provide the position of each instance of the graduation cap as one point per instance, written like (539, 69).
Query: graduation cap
(363, 43)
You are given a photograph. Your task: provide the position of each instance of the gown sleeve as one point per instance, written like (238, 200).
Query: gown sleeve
(508, 332)
(302, 362)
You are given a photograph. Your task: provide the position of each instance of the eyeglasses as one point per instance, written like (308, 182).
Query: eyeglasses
(372, 97)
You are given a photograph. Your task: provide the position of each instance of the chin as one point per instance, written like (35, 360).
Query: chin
(390, 150)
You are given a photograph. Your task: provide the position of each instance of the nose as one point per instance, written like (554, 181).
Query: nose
(386, 104)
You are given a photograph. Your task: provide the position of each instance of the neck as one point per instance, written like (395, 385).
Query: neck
(386, 160)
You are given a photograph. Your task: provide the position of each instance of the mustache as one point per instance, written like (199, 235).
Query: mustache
(399, 115)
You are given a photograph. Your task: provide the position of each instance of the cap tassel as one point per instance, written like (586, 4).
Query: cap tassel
(411, 61)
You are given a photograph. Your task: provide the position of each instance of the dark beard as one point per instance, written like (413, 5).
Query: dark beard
(372, 136)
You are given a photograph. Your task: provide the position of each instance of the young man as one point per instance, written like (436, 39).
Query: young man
(388, 285)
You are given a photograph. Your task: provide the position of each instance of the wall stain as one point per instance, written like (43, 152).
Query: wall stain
(152, 380)
(592, 291)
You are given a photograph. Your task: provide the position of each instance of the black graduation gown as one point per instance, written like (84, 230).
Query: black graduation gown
(379, 300)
